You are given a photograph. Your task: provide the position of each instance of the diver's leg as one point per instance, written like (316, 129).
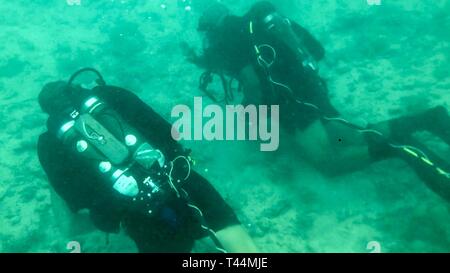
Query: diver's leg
(236, 240)
(431, 168)
(435, 120)
(333, 148)
(439, 123)
(401, 131)
(398, 130)
(150, 236)
(218, 215)
(327, 146)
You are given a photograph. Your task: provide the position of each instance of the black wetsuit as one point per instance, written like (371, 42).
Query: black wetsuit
(175, 227)
(230, 48)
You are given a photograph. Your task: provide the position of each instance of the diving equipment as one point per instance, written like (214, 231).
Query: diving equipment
(281, 29)
(120, 155)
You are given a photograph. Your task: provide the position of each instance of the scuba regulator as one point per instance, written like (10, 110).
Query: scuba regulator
(120, 155)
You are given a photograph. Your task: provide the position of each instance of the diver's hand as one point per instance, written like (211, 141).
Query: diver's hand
(189, 53)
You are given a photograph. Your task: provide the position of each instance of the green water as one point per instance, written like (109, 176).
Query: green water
(382, 62)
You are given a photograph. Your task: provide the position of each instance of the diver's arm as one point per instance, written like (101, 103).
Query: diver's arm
(312, 44)
(60, 178)
(209, 59)
(75, 188)
(199, 60)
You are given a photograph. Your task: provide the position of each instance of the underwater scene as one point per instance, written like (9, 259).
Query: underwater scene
(341, 142)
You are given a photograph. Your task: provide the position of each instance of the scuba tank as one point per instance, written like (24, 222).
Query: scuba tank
(121, 156)
(281, 29)
(277, 47)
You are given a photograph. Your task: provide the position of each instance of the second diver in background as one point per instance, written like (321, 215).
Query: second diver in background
(274, 59)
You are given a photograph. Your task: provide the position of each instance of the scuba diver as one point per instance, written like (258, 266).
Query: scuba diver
(105, 150)
(275, 61)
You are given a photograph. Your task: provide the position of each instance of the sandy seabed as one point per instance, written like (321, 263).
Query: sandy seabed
(382, 62)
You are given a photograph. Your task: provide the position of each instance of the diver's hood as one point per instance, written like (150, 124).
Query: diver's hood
(213, 17)
(53, 97)
(59, 97)
(260, 10)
